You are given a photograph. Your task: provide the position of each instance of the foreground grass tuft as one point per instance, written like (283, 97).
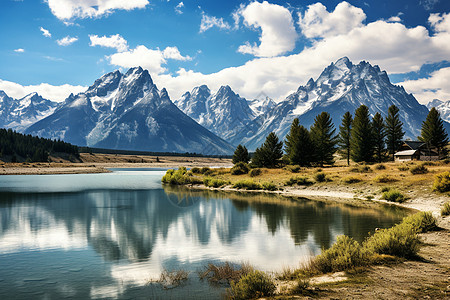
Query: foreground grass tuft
(214, 182)
(445, 211)
(256, 284)
(224, 273)
(420, 169)
(422, 221)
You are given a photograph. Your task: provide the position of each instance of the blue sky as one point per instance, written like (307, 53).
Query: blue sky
(60, 46)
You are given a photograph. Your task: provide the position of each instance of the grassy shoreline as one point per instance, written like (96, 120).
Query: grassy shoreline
(390, 247)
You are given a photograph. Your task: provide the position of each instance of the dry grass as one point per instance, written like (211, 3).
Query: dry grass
(224, 273)
(173, 279)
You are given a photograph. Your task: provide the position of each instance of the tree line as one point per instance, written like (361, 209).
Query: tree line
(32, 148)
(360, 138)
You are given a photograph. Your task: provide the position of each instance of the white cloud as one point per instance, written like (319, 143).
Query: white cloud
(114, 41)
(393, 46)
(178, 8)
(45, 32)
(19, 50)
(209, 22)
(71, 9)
(150, 59)
(436, 86)
(51, 92)
(278, 34)
(66, 41)
(395, 19)
(317, 22)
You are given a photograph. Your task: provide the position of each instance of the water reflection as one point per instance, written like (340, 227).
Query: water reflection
(110, 242)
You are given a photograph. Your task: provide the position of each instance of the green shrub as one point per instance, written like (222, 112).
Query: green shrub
(345, 254)
(445, 211)
(393, 195)
(351, 179)
(196, 170)
(420, 169)
(386, 189)
(204, 170)
(247, 185)
(384, 179)
(256, 284)
(403, 168)
(298, 180)
(293, 168)
(179, 177)
(401, 240)
(361, 169)
(320, 177)
(269, 186)
(240, 168)
(255, 172)
(421, 222)
(442, 182)
(214, 182)
(380, 167)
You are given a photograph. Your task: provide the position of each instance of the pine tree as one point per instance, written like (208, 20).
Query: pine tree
(298, 145)
(269, 153)
(361, 141)
(394, 131)
(379, 135)
(241, 155)
(433, 132)
(324, 139)
(344, 136)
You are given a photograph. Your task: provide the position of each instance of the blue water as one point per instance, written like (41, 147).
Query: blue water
(103, 236)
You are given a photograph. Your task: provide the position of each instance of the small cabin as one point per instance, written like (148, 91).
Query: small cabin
(416, 150)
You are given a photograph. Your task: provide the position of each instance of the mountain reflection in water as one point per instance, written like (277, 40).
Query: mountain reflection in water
(111, 242)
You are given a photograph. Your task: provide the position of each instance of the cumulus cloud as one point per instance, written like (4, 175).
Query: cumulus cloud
(66, 41)
(45, 32)
(317, 22)
(19, 50)
(51, 92)
(150, 59)
(114, 41)
(209, 22)
(436, 86)
(278, 33)
(179, 7)
(380, 42)
(71, 9)
(395, 19)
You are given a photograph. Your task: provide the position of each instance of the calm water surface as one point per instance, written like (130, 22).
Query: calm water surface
(97, 236)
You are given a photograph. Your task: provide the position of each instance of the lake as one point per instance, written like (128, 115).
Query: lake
(97, 236)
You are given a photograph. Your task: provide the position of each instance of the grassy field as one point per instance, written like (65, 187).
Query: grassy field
(410, 179)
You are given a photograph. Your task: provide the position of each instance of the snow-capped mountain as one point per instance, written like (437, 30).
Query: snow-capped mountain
(341, 87)
(225, 113)
(442, 107)
(18, 114)
(127, 111)
(261, 104)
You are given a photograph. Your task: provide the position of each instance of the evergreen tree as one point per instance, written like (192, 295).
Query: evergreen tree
(269, 153)
(298, 145)
(394, 130)
(324, 139)
(379, 136)
(344, 136)
(241, 155)
(361, 141)
(433, 132)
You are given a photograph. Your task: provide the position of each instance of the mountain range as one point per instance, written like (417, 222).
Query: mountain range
(18, 114)
(127, 111)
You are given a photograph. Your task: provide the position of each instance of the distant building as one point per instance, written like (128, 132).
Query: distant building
(415, 150)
